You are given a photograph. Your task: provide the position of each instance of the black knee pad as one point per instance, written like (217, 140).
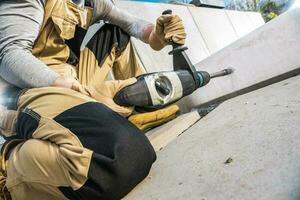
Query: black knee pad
(122, 156)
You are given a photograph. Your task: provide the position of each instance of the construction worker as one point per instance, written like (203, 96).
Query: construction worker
(39, 55)
(65, 142)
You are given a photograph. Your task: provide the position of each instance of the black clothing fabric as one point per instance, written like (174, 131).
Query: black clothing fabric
(101, 43)
(122, 154)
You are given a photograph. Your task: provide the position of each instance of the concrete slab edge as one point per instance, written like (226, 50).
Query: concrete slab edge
(163, 135)
(251, 88)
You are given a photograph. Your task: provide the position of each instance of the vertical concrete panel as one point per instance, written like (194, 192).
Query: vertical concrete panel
(241, 22)
(158, 61)
(214, 26)
(256, 19)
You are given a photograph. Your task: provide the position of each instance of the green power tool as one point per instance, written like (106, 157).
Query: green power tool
(156, 90)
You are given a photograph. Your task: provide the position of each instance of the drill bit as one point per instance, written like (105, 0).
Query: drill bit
(223, 72)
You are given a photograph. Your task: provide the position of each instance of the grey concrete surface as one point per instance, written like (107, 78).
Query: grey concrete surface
(259, 131)
(242, 22)
(268, 54)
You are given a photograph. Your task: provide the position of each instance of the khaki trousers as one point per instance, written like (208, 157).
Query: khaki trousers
(96, 155)
(53, 162)
(74, 148)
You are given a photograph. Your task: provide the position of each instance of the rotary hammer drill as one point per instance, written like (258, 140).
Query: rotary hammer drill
(157, 90)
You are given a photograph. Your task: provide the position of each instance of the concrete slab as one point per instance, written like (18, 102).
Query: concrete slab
(256, 19)
(267, 55)
(241, 22)
(259, 131)
(161, 61)
(215, 27)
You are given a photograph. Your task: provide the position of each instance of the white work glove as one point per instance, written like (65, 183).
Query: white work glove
(169, 28)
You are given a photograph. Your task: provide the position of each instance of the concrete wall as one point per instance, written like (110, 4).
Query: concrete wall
(215, 27)
(244, 22)
(208, 30)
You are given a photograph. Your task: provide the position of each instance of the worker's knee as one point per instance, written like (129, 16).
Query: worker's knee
(122, 154)
(134, 158)
(131, 161)
(131, 164)
(122, 157)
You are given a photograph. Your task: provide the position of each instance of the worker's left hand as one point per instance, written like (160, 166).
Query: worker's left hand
(168, 29)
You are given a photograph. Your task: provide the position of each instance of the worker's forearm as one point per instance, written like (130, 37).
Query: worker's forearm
(25, 71)
(17, 64)
(106, 10)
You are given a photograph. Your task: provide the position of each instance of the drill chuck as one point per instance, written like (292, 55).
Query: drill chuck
(203, 78)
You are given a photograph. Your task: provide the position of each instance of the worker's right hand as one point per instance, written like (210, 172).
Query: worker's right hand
(71, 83)
(169, 29)
(105, 92)
(65, 82)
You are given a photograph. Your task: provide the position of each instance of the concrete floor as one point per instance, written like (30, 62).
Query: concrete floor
(258, 134)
